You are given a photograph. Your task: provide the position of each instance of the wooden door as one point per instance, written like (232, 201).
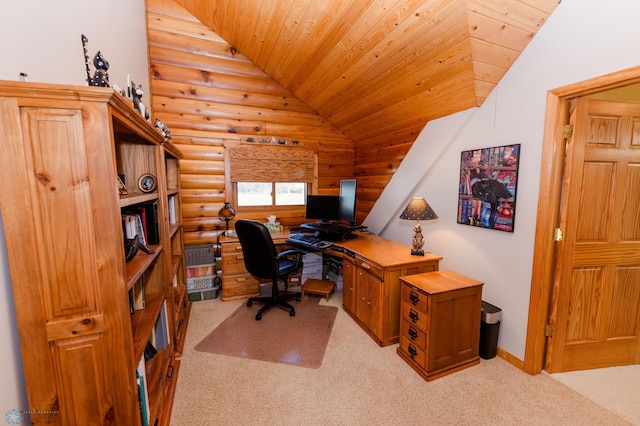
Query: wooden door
(596, 305)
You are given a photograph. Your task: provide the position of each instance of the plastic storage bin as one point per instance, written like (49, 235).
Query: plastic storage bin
(202, 280)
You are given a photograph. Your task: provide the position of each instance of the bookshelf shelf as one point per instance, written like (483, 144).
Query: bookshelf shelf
(133, 199)
(143, 320)
(65, 148)
(139, 264)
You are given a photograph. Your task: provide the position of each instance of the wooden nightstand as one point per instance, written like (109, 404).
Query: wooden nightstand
(439, 322)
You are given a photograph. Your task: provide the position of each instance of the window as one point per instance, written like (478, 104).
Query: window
(271, 194)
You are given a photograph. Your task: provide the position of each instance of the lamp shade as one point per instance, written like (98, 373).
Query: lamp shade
(226, 213)
(418, 209)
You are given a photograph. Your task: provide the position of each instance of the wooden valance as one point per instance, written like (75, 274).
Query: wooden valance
(267, 164)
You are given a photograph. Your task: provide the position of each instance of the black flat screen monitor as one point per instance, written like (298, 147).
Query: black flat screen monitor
(347, 209)
(323, 207)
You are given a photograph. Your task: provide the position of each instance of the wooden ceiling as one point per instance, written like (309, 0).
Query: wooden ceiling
(379, 70)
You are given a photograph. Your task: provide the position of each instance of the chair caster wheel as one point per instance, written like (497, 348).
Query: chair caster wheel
(292, 313)
(249, 303)
(258, 317)
(298, 298)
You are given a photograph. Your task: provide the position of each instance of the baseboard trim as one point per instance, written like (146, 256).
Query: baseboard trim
(510, 358)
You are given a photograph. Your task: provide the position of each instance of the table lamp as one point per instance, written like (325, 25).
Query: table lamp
(418, 209)
(226, 213)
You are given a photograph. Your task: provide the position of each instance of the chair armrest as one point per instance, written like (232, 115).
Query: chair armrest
(293, 254)
(290, 252)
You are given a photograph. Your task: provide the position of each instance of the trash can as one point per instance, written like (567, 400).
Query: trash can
(489, 328)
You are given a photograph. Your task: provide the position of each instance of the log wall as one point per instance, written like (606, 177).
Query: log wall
(211, 96)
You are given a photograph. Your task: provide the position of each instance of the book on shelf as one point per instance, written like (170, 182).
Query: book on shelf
(172, 209)
(149, 351)
(160, 336)
(139, 298)
(143, 222)
(143, 392)
(132, 301)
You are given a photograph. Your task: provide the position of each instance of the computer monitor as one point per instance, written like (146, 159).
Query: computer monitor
(323, 207)
(347, 207)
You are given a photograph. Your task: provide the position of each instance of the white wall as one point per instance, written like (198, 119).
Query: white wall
(42, 39)
(581, 40)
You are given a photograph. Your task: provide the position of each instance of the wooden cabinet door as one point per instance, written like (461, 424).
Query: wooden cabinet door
(348, 285)
(62, 234)
(368, 301)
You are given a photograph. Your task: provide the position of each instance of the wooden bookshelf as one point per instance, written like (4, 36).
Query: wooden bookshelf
(63, 149)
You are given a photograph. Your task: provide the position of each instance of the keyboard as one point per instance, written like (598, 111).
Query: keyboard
(309, 241)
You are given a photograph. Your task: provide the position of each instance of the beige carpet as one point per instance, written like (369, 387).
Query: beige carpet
(300, 340)
(360, 383)
(615, 388)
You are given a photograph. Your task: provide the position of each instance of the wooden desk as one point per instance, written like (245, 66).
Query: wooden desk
(371, 279)
(371, 282)
(237, 283)
(440, 322)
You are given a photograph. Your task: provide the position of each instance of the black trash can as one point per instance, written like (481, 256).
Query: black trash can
(489, 328)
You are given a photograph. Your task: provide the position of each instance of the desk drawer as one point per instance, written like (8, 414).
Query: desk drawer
(240, 285)
(373, 268)
(231, 248)
(413, 334)
(233, 263)
(411, 315)
(413, 351)
(414, 297)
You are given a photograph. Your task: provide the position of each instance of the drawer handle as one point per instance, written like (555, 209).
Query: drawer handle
(413, 315)
(241, 279)
(239, 257)
(413, 333)
(414, 298)
(412, 351)
(365, 265)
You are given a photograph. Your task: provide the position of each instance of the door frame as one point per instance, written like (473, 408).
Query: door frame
(547, 219)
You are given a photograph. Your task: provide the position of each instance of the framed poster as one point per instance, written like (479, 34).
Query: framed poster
(487, 189)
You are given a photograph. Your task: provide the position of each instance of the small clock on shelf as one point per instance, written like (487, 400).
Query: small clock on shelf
(147, 183)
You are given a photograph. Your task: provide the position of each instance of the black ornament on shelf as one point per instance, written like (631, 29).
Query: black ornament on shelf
(101, 76)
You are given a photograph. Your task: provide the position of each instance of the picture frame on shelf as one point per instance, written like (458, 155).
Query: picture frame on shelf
(147, 183)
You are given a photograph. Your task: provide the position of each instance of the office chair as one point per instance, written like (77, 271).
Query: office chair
(263, 261)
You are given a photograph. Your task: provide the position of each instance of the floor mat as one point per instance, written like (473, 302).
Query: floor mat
(299, 340)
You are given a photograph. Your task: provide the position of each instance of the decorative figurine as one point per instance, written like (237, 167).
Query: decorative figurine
(136, 93)
(162, 126)
(101, 76)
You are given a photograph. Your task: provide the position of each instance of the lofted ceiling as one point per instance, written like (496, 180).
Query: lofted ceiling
(379, 70)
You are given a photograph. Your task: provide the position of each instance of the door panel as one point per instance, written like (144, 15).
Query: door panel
(596, 313)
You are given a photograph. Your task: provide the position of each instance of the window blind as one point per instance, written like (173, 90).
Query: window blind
(269, 164)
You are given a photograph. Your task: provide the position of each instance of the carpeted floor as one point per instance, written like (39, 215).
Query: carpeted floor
(360, 383)
(300, 340)
(615, 388)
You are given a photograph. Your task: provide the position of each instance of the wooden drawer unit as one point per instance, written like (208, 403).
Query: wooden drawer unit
(237, 283)
(439, 322)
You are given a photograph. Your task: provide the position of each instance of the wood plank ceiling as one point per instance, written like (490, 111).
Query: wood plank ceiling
(379, 70)
(355, 80)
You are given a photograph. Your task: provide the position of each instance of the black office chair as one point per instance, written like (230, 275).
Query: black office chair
(263, 261)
